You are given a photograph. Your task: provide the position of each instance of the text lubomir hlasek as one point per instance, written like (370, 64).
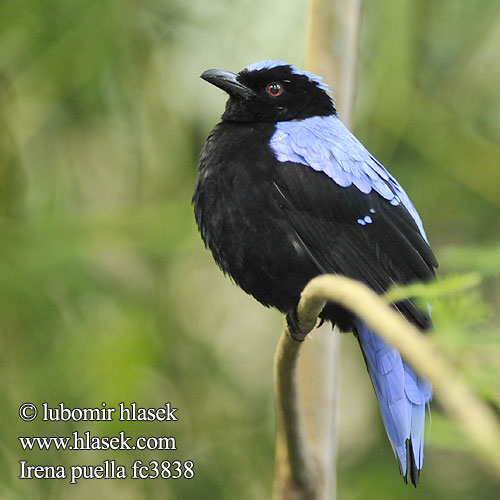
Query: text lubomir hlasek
(130, 412)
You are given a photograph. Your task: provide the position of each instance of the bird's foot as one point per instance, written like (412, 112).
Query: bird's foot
(292, 322)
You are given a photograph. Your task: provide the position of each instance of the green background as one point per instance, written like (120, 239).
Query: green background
(106, 291)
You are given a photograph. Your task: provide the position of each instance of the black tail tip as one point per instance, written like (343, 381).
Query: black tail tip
(411, 466)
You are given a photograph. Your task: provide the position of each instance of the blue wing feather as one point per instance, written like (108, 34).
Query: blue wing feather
(326, 145)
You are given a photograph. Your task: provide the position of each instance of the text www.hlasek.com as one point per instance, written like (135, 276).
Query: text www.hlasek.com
(87, 442)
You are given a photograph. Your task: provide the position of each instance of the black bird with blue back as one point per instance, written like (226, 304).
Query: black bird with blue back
(286, 192)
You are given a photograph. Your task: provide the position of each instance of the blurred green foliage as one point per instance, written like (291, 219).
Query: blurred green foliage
(106, 292)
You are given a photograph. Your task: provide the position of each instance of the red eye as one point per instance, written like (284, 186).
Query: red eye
(274, 89)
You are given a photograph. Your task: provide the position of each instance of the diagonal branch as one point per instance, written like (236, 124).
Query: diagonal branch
(475, 419)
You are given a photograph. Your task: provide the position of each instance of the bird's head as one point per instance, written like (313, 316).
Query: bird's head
(271, 91)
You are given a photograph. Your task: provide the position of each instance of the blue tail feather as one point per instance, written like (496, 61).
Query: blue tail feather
(402, 397)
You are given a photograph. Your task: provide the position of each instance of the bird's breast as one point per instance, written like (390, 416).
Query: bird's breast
(234, 186)
(240, 213)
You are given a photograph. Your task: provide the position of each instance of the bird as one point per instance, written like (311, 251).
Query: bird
(285, 192)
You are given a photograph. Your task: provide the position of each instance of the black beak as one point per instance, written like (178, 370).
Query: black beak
(228, 82)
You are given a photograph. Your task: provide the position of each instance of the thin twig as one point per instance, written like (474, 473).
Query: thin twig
(295, 472)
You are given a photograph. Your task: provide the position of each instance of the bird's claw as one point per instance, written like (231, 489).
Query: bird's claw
(292, 322)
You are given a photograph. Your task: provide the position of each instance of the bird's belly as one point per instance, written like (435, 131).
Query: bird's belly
(271, 263)
(252, 241)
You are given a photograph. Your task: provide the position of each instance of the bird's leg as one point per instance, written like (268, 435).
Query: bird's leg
(292, 322)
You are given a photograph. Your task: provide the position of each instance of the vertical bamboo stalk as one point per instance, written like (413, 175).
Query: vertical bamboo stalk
(306, 386)
(332, 48)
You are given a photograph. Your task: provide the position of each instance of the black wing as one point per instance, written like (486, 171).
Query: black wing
(362, 236)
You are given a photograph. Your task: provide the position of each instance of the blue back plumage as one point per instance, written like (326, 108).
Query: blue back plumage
(402, 396)
(326, 145)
